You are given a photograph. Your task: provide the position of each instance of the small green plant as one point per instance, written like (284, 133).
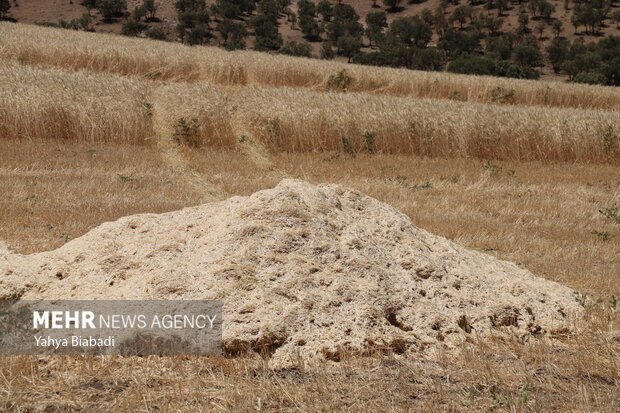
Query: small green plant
(148, 107)
(610, 213)
(501, 95)
(603, 236)
(187, 132)
(124, 178)
(613, 303)
(333, 157)
(244, 139)
(452, 179)
(402, 181)
(499, 400)
(610, 141)
(581, 298)
(347, 147)
(526, 392)
(340, 82)
(493, 169)
(64, 236)
(274, 129)
(369, 142)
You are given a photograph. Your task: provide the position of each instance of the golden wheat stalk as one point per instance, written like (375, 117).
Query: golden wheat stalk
(171, 61)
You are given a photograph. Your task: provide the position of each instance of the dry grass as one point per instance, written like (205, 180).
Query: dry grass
(85, 107)
(580, 376)
(54, 191)
(167, 61)
(299, 121)
(76, 106)
(536, 214)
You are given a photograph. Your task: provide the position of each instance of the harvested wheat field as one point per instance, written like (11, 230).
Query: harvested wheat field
(379, 247)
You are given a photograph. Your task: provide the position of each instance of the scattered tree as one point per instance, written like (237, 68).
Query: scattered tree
(5, 6)
(111, 8)
(296, 49)
(156, 33)
(375, 23)
(393, 5)
(267, 34)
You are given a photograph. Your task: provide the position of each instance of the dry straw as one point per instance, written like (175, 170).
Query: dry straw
(87, 107)
(78, 106)
(171, 61)
(294, 120)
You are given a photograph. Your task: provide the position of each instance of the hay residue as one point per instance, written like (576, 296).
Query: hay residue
(304, 271)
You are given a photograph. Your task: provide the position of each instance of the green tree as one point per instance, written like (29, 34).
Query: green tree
(556, 26)
(493, 24)
(133, 28)
(151, 8)
(85, 21)
(392, 5)
(300, 49)
(156, 33)
(185, 5)
(309, 27)
(5, 6)
(524, 20)
(199, 34)
(327, 51)
(403, 30)
(267, 34)
(349, 46)
(233, 9)
(306, 7)
(111, 8)
(89, 4)
(456, 43)
(344, 23)
(191, 19)
(324, 8)
(232, 33)
(557, 52)
(615, 16)
(138, 13)
(375, 23)
(461, 14)
(545, 9)
(527, 54)
(592, 77)
(540, 29)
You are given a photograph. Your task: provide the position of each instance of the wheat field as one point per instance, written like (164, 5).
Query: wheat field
(93, 128)
(56, 103)
(169, 61)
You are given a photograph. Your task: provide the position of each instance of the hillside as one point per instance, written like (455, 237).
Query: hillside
(500, 37)
(98, 127)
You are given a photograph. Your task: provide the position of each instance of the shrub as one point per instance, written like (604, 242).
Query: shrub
(339, 82)
(485, 66)
(591, 77)
(293, 48)
(110, 8)
(133, 28)
(156, 33)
